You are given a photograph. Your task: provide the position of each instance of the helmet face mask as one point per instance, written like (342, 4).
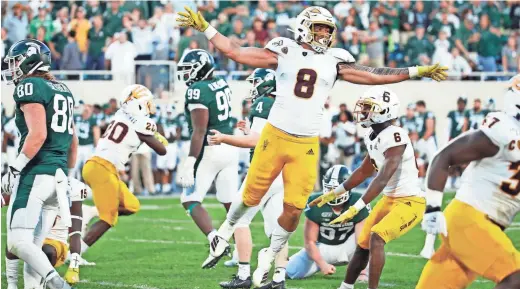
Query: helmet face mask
(333, 178)
(310, 28)
(364, 110)
(195, 65)
(263, 82)
(24, 58)
(377, 105)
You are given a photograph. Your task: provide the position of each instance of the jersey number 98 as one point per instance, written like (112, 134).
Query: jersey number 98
(305, 81)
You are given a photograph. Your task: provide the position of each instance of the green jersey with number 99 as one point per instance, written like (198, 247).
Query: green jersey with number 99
(214, 95)
(338, 233)
(58, 102)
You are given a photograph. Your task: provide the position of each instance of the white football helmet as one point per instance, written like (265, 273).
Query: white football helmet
(512, 98)
(137, 100)
(305, 30)
(377, 105)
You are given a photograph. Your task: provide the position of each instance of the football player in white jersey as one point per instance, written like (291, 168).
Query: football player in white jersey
(306, 69)
(130, 127)
(391, 155)
(472, 225)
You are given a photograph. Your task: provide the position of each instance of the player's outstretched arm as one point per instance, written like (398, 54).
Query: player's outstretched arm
(311, 233)
(241, 141)
(153, 143)
(360, 74)
(252, 56)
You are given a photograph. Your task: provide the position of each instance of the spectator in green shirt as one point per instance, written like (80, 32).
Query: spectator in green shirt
(489, 46)
(113, 19)
(93, 8)
(5, 42)
(96, 45)
(57, 46)
(418, 47)
(129, 6)
(491, 9)
(223, 26)
(184, 42)
(42, 20)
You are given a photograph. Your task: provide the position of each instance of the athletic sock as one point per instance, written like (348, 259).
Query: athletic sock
(226, 230)
(279, 238)
(279, 275)
(346, 286)
(84, 247)
(236, 211)
(212, 235)
(244, 270)
(11, 271)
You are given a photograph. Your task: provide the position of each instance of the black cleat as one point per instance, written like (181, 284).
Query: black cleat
(274, 285)
(237, 283)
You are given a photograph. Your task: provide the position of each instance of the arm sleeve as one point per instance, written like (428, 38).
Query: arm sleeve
(495, 127)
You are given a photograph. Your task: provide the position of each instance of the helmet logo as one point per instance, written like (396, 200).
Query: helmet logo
(315, 10)
(33, 48)
(203, 57)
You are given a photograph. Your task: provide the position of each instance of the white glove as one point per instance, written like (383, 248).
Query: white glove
(187, 172)
(434, 222)
(10, 180)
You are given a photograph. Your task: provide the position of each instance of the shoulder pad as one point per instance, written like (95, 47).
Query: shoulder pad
(393, 136)
(279, 45)
(145, 125)
(78, 190)
(341, 55)
(498, 127)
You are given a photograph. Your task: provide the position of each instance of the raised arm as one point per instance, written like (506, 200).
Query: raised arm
(251, 56)
(360, 74)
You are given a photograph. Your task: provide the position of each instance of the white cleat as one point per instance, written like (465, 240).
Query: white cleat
(265, 260)
(218, 248)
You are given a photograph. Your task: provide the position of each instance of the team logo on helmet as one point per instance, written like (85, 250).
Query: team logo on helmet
(33, 48)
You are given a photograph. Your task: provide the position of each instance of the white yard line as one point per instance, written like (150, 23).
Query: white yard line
(118, 285)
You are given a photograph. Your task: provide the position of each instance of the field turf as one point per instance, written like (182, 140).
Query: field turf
(161, 248)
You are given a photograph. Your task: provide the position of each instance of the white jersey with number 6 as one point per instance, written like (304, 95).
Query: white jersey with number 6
(304, 80)
(121, 140)
(492, 185)
(405, 181)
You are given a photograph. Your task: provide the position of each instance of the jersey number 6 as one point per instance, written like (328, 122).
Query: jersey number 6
(305, 81)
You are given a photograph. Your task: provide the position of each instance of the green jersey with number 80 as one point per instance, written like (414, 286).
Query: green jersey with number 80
(214, 95)
(58, 102)
(335, 234)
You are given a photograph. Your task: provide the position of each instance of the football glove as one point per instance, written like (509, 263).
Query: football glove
(10, 180)
(434, 222)
(187, 173)
(323, 199)
(435, 72)
(160, 138)
(72, 276)
(192, 19)
(345, 217)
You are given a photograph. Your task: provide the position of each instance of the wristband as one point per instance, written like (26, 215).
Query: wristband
(21, 161)
(360, 205)
(434, 198)
(413, 71)
(339, 190)
(210, 32)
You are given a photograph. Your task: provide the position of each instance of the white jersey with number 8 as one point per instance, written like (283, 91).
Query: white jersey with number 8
(405, 181)
(492, 185)
(304, 80)
(121, 140)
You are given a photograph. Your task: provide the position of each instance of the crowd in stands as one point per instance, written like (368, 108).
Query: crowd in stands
(97, 35)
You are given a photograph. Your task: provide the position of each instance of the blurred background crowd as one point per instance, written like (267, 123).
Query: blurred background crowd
(93, 35)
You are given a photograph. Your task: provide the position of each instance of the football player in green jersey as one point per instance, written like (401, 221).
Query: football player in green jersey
(457, 124)
(167, 163)
(263, 95)
(408, 121)
(88, 133)
(427, 143)
(207, 107)
(37, 178)
(476, 115)
(326, 245)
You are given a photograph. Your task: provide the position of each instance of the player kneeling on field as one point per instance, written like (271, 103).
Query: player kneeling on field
(56, 241)
(391, 154)
(326, 245)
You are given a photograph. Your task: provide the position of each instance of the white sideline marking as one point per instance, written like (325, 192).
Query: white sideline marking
(118, 285)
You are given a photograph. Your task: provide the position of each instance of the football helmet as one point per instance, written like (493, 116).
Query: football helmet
(195, 65)
(334, 177)
(377, 105)
(305, 28)
(137, 100)
(24, 58)
(263, 81)
(512, 98)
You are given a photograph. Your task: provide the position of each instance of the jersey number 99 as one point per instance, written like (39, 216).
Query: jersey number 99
(305, 81)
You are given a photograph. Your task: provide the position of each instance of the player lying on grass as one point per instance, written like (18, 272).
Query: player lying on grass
(131, 126)
(391, 155)
(307, 69)
(472, 225)
(263, 93)
(326, 245)
(57, 240)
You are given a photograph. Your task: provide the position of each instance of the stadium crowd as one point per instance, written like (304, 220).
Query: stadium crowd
(464, 35)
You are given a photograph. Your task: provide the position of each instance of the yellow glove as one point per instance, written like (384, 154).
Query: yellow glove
(345, 217)
(160, 138)
(192, 19)
(323, 199)
(72, 276)
(435, 72)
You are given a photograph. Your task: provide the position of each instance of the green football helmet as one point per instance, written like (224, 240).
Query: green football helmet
(195, 65)
(24, 58)
(334, 177)
(264, 83)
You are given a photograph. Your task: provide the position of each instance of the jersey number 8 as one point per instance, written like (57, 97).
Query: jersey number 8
(305, 81)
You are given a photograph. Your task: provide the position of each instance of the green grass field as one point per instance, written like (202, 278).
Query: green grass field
(161, 248)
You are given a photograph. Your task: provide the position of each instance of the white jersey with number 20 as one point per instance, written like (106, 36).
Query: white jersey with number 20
(121, 140)
(492, 185)
(304, 80)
